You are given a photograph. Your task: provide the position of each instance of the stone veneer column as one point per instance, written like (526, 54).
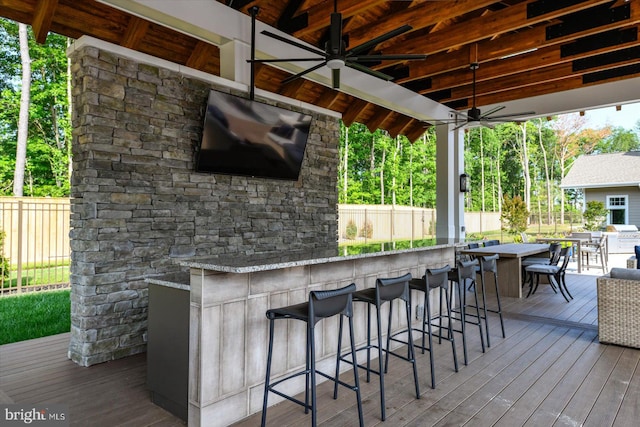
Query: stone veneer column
(138, 207)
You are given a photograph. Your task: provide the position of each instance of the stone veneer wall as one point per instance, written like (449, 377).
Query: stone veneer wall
(138, 207)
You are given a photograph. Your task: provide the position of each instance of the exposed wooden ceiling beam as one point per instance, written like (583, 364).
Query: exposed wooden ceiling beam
(422, 15)
(354, 110)
(380, 116)
(320, 14)
(541, 58)
(483, 27)
(199, 55)
(43, 15)
(135, 32)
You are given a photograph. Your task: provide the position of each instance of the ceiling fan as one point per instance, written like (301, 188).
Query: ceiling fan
(475, 117)
(336, 55)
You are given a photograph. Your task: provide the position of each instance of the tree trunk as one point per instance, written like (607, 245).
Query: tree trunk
(384, 155)
(546, 172)
(525, 168)
(482, 184)
(345, 164)
(23, 119)
(68, 138)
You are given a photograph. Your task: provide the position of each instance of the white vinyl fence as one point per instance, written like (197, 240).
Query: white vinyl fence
(36, 243)
(389, 223)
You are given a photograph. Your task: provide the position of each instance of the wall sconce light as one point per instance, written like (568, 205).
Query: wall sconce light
(464, 183)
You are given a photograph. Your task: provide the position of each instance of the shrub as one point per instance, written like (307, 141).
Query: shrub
(4, 261)
(594, 215)
(514, 215)
(367, 230)
(352, 230)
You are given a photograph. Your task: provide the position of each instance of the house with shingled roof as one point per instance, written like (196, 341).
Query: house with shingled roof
(613, 179)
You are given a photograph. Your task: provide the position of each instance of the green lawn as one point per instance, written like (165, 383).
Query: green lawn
(34, 315)
(38, 275)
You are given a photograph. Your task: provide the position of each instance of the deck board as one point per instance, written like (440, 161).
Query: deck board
(549, 370)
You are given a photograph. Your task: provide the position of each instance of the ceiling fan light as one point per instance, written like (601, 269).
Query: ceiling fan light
(335, 63)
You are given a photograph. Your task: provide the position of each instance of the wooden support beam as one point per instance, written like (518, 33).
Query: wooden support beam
(135, 32)
(199, 55)
(42, 18)
(378, 118)
(292, 88)
(353, 111)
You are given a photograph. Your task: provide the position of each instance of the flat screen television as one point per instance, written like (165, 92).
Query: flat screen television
(244, 137)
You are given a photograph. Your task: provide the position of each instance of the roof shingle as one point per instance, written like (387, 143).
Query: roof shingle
(604, 170)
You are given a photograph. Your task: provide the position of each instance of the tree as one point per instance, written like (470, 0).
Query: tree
(23, 117)
(48, 148)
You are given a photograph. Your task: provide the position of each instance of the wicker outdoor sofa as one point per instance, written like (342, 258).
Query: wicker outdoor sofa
(619, 307)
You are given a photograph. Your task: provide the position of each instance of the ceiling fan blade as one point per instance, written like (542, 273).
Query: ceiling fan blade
(302, 73)
(335, 78)
(493, 110)
(287, 60)
(505, 116)
(335, 35)
(375, 41)
(293, 43)
(369, 71)
(376, 58)
(460, 126)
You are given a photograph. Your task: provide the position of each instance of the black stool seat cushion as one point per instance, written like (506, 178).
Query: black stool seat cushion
(297, 311)
(365, 295)
(419, 284)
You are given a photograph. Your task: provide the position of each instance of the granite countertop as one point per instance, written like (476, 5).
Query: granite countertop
(179, 280)
(252, 263)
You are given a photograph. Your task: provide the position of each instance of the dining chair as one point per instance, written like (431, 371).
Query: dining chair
(554, 273)
(596, 248)
(552, 259)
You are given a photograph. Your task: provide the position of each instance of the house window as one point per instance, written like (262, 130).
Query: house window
(618, 209)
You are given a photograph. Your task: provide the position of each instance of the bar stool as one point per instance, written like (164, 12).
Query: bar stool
(321, 305)
(435, 278)
(488, 264)
(465, 270)
(386, 290)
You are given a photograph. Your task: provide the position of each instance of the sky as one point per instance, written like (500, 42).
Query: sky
(626, 118)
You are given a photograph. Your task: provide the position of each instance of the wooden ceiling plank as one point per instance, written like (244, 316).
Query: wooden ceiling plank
(135, 32)
(487, 92)
(503, 46)
(320, 14)
(483, 27)
(42, 18)
(421, 15)
(353, 111)
(543, 57)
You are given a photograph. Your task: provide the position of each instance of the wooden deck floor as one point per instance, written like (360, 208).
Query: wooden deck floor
(549, 371)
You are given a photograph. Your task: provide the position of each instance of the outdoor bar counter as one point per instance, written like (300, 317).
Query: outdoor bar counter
(228, 298)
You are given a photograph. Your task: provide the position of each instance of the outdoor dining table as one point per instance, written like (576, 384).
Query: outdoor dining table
(575, 241)
(509, 264)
